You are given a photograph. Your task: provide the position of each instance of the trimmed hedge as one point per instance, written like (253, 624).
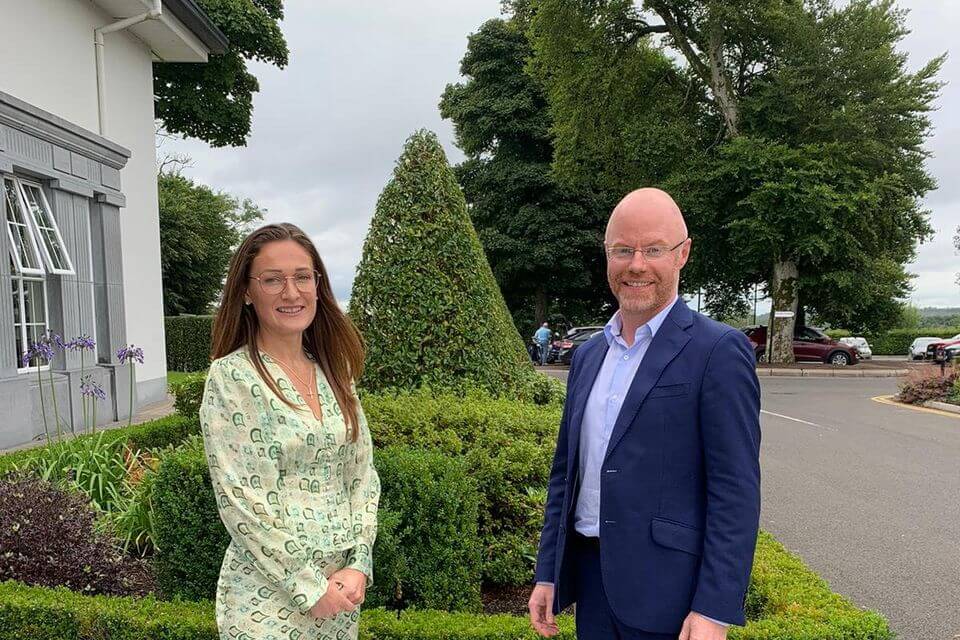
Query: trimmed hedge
(188, 394)
(895, 342)
(151, 435)
(427, 552)
(786, 601)
(508, 449)
(188, 342)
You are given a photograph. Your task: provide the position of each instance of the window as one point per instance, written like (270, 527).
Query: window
(36, 251)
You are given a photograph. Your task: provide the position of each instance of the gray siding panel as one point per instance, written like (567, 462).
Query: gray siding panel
(8, 339)
(79, 166)
(30, 148)
(118, 336)
(110, 177)
(61, 159)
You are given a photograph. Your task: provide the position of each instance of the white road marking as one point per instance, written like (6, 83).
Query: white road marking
(780, 415)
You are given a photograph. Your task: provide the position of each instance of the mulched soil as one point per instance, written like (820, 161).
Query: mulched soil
(506, 599)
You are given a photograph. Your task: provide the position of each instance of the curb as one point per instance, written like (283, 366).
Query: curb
(831, 373)
(930, 406)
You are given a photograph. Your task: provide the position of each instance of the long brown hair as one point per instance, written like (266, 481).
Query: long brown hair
(332, 339)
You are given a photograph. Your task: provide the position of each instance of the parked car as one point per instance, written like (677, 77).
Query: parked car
(566, 347)
(938, 350)
(575, 330)
(809, 345)
(864, 352)
(918, 348)
(951, 353)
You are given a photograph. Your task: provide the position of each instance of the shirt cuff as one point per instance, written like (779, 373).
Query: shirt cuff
(714, 620)
(545, 584)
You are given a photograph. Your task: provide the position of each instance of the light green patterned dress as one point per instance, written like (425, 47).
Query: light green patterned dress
(298, 499)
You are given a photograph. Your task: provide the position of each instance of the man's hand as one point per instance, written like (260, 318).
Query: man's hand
(354, 584)
(696, 627)
(333, 602)
(541, 611)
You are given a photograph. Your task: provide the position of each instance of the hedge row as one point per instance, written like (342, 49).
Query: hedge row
(427, 552)
(151, 435)
(896, 341)
(786, 601)
(188, 342)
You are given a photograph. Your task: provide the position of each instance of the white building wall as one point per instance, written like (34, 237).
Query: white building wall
(48, 61)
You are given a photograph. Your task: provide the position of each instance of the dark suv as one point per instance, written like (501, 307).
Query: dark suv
(809, 345)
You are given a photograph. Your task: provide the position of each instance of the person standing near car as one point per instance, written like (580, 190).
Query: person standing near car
(653, 503)
(542, 337)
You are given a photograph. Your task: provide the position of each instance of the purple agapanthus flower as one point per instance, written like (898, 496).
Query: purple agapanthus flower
(81, 342)
(92, 388)
(132, 352)
(53, 338)
(41, 350)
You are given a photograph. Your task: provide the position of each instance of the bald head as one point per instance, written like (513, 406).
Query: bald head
(648, 212)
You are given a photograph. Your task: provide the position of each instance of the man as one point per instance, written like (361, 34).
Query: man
(654, 498)
(542, 337)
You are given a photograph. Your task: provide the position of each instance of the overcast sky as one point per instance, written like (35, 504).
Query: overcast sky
(365, 74)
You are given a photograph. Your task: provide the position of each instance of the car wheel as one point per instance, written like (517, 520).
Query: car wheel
(839, 358)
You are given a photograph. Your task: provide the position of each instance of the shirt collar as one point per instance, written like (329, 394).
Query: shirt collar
(614, 326)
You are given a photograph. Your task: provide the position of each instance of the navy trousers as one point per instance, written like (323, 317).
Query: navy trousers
(595, 619)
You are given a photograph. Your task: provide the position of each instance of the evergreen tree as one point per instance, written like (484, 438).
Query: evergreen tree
(424, 297)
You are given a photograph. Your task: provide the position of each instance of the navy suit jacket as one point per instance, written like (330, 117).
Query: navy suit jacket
(680, 482)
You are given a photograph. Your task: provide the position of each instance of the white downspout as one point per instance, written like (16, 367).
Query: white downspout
(98, 33)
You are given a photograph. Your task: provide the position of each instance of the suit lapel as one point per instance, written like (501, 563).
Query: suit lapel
(667, 343)
(590, 369)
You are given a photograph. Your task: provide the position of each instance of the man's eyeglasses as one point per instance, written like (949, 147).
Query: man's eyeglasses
(273, 282)
(623, 253)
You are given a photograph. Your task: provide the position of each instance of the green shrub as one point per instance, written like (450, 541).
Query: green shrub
(836, 334)
(424, 297)
(786, 601)
(188, 394)
(189, 536)
(507, 447)
(427, 552)
(188, 340)
(896, 341)
(432, 505)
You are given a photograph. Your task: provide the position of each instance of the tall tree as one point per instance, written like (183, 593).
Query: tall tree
(214, 101)
(813, 181)
(199, 229)
(542, 240)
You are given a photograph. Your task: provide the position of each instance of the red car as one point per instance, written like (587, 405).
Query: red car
(938, 350)
(809, 345)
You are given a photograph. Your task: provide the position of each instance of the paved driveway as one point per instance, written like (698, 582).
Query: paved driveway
(869, 495)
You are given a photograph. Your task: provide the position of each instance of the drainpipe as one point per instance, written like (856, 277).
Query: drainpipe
(98, 34)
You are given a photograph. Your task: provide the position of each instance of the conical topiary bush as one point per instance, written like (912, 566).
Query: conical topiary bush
(424, 297)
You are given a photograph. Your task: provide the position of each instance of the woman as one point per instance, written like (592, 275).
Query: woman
(288, 447)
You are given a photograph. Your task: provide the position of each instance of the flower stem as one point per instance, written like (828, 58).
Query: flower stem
(130, 417)
(83, 398)
(43, 405)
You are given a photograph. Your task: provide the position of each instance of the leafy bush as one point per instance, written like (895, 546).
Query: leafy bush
(48, 538)
(896, 341)
(424, 297)
(188, 394)
(431, 502)
(189, 536)
(507, 447)
(926, 383)
(188, 342)
(786, 601)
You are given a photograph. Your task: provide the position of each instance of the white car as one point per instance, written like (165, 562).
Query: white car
(918, 348)
(861, 345)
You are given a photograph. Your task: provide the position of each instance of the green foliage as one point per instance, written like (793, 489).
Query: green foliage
(188, 394)
(189, 535)
(199, 229)
(507, 447)
(214, 101)
(805, 146)
(188, 340)
(786, 601)
(542, 240)
(424, 297)
(926, 383)
(896, 341)
(433, 502)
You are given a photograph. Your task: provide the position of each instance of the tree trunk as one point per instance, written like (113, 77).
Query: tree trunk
(540, 306)
(721, 87)
(784, 297)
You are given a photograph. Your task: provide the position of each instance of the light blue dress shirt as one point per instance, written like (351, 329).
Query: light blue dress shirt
(603, 406)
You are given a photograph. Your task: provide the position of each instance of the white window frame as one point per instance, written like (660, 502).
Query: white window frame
(40, 235)
(20, 280)
(30, 236)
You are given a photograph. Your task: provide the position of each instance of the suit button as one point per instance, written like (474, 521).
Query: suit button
(609, 522)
